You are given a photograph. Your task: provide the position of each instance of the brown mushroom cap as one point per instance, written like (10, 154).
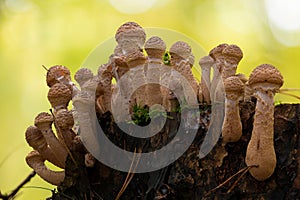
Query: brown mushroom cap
(232, 54)
(131, 31)
(266, 73)
(35, 138)
(83, 75)
(206, 61)
(233, 84)
(181, 49)
(242, 77)
(64, 119)
(59, 96)
(54, 73)
(216, 52)
(155, 47)
(43, 121)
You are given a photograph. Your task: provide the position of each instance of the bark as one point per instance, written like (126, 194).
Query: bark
(190, 177)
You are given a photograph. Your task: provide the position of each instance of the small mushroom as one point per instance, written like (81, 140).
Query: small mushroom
(206, 63)
(231, 56)
(182, 60)
(65, 122)
(36, 162)
(232, 126)
(43, 122)
(265, 80)
(155, 48)
(59, 96)
(83, 75)
(36, 140)
(104, 90)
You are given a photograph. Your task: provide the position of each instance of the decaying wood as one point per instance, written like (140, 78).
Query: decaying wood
(213, 177)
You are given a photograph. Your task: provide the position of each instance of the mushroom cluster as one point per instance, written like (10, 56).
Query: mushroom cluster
(142, 60)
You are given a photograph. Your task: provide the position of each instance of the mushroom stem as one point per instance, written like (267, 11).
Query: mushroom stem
(206, 63)
(36, 162)
(261, 144)
(232, 126)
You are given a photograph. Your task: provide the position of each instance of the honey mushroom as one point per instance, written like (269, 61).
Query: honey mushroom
(155, 48)
(36, 140)
(232, 126)
(43, 122)
(60, 74)
(182, 61)
(36, 161)
(205, 63)
(265, 80)
(104, 89)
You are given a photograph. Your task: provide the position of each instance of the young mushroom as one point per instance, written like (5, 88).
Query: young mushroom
(155, 48)
(59, 96)
(232, 126)
(36, 162)
(206, 63)
(43, 122)
(36, 140)
(265, 80)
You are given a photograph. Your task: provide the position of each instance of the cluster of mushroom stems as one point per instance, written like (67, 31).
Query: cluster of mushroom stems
(142, 61)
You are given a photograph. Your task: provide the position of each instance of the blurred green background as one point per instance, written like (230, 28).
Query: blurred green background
(35, 33)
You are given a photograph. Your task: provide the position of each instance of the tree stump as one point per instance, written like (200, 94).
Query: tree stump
(191, 177)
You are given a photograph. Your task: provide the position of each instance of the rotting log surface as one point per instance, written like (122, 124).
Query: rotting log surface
(189, 177)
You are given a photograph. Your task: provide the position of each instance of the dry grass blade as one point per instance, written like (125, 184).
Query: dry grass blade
(289, 94)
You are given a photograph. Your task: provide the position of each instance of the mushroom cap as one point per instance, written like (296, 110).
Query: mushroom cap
(82, 75)
(118, 51)
(59, 96)
(130, 31)
(64, 119)
(232, 54)
(181, 49)
(234, 85)
(43, 121)
(35, 138)
(34, 158)
(266, 73)
(216, 52)
(55, 73)
(206, 61)
(155, 47)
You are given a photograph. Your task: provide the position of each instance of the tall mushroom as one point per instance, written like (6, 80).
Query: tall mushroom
(232, 126)
(155, 48)
(265, 80)
(206, 63)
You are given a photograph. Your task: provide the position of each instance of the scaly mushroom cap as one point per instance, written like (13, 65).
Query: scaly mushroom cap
(83, 75)
(35, 138)
(181, 51)
(59, 96)
(55, 73)
(135, 58)
(43, 121)
(206, 61)
(266, 73)
(118, 51)
(216, 52)
(232, 54)
(155, 47)
(130, 33)
(234, 85)
(64, 119)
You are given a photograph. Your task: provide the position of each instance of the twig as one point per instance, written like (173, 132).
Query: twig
(16, 190)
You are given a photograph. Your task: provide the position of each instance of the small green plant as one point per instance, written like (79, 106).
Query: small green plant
(167, 58)
(140, 115)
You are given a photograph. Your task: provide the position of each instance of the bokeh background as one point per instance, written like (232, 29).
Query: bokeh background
(36, 32)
